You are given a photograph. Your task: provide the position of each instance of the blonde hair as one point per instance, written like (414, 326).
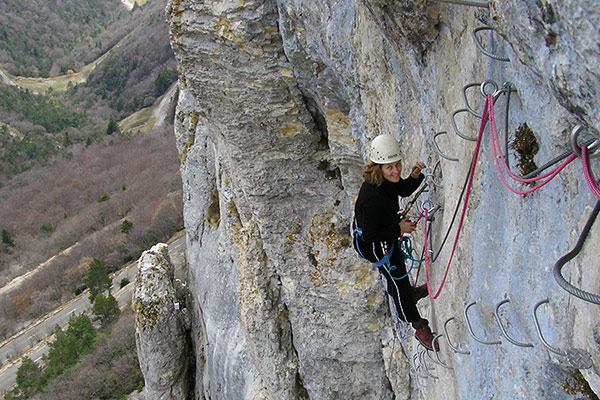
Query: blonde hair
(373, 174)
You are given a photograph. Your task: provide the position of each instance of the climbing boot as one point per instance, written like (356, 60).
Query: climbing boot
(419, 292)
(425, 337)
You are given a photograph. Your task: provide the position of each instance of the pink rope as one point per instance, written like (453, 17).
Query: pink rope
(587, 171)
(488, 115)
(496, 148)
(484, 119)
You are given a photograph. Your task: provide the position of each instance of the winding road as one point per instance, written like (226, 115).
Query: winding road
(33, 340)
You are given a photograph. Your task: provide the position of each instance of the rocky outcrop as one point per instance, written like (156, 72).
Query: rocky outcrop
(160, 327)
(277, 102)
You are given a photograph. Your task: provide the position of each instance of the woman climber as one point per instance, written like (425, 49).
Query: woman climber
(377, 230)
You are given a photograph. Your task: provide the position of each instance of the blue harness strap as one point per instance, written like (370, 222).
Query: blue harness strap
(385, 260)
(357, 232)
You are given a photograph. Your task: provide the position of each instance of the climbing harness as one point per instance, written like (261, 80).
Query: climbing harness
(557, 270)
(384, 262)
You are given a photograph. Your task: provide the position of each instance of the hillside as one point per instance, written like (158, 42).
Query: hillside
(137, 68)
(72, 186)
(41, 38)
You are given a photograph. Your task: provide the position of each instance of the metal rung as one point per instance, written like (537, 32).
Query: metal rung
(454, 348)
(482, 341)
(577, 358)
(503, 330)
(474, 3)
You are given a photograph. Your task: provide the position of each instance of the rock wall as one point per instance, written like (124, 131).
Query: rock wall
(161, 322)
(278, 101)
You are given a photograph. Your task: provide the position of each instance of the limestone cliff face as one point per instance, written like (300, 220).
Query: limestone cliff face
(278, 101)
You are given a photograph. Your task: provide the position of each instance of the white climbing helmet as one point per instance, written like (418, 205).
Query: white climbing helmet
(384, 149)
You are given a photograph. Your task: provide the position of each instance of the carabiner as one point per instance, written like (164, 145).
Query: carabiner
(592, 148)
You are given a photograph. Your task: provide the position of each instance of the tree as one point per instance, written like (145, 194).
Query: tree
(7, 239)
(164, 79)
(67, 141)
(28, 377)
(126, 226)
(103, 197)
(98, 280)
(68, 346)
(112, 127)
(106, 309)
(47, 228)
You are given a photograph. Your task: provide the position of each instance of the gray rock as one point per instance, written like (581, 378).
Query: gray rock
(278, 101)
(160, 333)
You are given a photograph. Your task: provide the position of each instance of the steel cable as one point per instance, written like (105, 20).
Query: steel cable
(582, 294)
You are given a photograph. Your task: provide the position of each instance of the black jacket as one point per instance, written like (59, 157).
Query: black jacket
(376, 209)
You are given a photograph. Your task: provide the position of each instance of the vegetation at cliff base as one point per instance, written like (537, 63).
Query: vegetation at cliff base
(52, 215)
(83, 363)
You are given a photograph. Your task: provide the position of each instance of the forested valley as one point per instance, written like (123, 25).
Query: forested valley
(81, 185)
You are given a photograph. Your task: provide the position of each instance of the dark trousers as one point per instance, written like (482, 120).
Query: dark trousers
(399, 289)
